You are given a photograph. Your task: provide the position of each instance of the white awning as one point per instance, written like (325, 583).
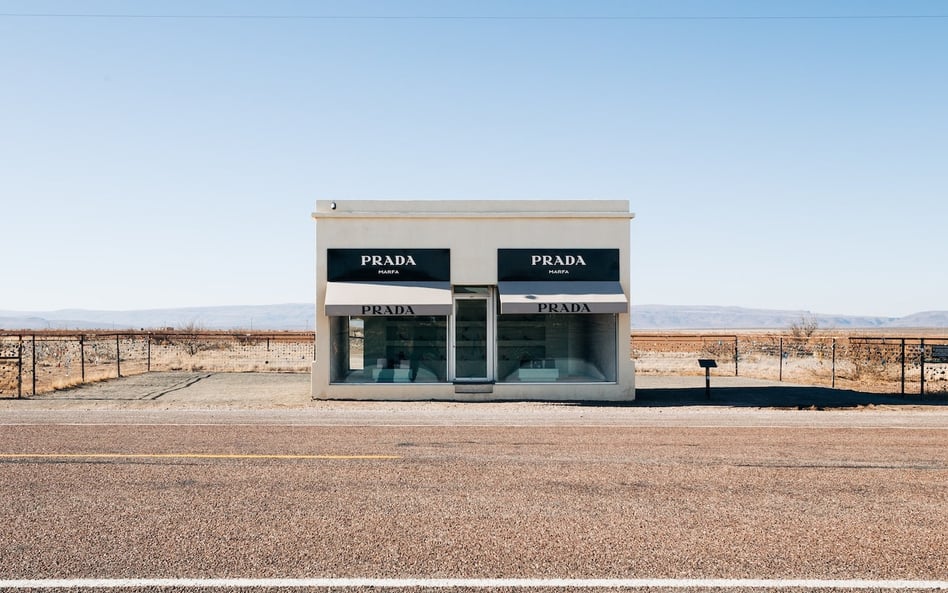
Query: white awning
(562, 297)
(388, 298)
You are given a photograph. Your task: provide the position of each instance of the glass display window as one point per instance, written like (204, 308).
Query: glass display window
(389, 349)
(556, 348)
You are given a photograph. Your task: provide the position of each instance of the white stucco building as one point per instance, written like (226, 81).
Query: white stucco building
(473, 300)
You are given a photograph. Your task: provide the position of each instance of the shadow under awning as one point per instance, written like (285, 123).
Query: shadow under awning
(388, 298)
(562, 297)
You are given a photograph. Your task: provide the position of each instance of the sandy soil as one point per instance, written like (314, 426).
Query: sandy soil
(128, 485)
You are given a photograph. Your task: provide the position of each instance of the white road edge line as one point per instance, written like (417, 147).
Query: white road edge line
(397, 583)
(830, 426)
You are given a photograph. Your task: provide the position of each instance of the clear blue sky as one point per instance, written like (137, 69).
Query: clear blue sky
(797, 163)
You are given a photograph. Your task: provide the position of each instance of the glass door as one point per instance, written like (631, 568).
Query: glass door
(473, 332)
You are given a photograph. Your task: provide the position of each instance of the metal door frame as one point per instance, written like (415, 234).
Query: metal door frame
(490, 350)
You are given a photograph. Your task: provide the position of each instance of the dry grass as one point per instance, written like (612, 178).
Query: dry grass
(865, 360)
(884, 361)
(58, 359)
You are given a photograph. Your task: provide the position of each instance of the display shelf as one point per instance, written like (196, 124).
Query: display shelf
(538, 375)
(393, 375)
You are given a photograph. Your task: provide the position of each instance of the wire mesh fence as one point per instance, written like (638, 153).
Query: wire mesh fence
(878, 364)
(36, 363)
(41, 362)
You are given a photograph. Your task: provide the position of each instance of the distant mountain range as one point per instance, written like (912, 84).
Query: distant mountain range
(707, 317)
(300, 316)
(293, 316)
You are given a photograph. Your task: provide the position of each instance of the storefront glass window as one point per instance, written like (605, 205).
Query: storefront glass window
(556, 348)
(395, 349)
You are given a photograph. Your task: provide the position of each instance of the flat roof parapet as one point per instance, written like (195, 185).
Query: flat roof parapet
(473, 209)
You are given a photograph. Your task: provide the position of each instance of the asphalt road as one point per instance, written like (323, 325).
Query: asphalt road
(213, 486)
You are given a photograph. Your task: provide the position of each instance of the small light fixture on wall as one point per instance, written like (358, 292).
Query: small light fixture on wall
(332, 205)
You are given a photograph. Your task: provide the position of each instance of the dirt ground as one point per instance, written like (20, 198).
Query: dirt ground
(285, 398)
(244, 476)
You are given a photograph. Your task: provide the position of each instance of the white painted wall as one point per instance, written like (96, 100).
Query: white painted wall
(473, 231)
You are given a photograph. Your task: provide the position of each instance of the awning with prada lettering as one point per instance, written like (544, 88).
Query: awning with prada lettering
(388, 298)
(562, 297)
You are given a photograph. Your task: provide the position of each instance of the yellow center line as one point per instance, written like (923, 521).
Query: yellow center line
(185, 456)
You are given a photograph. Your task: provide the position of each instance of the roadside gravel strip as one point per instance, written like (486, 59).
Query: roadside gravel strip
(284, 399)
(242, 483)
(482, 584)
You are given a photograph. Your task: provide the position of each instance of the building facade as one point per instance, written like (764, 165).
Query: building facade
(473, 300)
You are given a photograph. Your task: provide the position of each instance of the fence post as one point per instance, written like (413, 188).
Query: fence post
(780, 378)
(82, 358)
(118, 358)
(735, 356)
(34, 364)
(834, 365)
(19, 366)
(921, 364)
(902, 362)
(148, 348)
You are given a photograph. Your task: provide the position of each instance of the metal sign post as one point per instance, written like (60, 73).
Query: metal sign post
(707, 364)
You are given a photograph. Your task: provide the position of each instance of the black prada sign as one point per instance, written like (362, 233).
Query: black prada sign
(388, 265)
(581, 265)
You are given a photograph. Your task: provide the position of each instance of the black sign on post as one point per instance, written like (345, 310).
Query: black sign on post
(388, 265)
(580, 265)
(707, 364)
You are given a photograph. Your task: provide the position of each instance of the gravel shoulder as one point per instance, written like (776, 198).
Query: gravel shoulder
(244, 475)
(277, 398)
